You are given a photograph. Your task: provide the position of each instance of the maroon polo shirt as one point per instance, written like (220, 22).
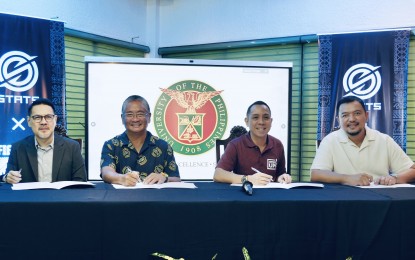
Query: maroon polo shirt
(241, 154)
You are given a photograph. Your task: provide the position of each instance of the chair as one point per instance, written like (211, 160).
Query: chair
(236, 131)
(60, 130)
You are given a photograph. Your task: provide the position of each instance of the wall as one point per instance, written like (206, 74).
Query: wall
(184, 22)
(163, 23)
(118, 19)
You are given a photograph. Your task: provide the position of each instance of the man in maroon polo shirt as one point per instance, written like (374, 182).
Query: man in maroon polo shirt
(256, 156)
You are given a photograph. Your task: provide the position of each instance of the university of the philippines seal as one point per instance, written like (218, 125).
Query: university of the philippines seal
(190, 115)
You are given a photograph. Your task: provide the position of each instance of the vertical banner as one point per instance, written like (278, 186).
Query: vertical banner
(372, 66)
(32, 56)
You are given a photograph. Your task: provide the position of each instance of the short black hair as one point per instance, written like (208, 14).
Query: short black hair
(260, 103)
(349, 99)
(40, 101)
(134, 98)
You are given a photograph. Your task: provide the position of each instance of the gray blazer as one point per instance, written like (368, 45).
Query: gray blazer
(68, 164)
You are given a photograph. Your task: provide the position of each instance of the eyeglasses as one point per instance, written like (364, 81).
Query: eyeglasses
(38, 118)
(138, 115)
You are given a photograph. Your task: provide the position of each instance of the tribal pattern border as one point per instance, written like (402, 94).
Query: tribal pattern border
(57, 54)
(400, 87)
(324, 86)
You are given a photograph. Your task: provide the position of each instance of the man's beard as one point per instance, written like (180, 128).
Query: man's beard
(355, 133)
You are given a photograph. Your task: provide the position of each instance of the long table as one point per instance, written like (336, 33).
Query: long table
(334, 222)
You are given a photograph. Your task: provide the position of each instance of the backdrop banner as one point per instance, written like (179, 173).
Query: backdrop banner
(372, 66)
(32, 58)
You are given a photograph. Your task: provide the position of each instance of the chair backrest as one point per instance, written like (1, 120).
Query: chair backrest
(79, 140)
(60, 130)
(221, 144)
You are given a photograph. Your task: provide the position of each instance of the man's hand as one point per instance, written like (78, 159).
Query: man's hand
(284, 178)
(154, 178)
(13, 177)
(385, 180)
(130, 178)
(360, 179)
(260, 178)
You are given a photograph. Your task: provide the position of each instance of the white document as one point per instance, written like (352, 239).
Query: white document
(48, 185)
(373, 186)
(175, 185)
(277, 185)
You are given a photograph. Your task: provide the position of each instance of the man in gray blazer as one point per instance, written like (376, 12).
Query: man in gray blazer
(44, 156)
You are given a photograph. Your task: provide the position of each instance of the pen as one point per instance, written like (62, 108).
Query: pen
(139, 177)
(256, 170)
(17, 172)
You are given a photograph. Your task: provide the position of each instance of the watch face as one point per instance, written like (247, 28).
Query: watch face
(243, 179)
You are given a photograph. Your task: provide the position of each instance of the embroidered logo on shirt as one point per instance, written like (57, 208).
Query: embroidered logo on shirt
(271, 164)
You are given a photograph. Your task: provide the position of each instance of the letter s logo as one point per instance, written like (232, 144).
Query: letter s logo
(18, 71)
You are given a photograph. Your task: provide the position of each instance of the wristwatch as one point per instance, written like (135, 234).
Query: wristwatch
(165, 175)
(394, 175)
(244, 178)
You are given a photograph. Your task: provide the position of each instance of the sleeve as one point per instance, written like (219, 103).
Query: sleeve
(398, 159)
(12, 162)
(108, 157)
(78, 164)
(323, 159)
(171, 167)
(281, 167)
(229, 158)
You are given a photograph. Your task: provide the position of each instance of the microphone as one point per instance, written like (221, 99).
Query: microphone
(247, 187)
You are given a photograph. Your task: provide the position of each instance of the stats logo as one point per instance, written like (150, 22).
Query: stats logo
(18, 71)
(190, 115)
(362, 80)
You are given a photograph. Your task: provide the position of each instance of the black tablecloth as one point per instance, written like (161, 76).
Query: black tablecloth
(303, 223)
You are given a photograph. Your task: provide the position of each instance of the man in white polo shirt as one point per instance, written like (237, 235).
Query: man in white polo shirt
(357, 155)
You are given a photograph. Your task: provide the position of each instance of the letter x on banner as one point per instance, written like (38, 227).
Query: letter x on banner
(32, 59)
(372, 66)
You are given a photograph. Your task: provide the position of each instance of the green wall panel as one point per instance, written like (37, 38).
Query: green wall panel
(75, 51)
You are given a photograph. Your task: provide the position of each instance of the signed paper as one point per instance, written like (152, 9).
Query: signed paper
(373, 186)
(175, 185)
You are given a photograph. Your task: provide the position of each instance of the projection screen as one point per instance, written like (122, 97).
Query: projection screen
(193, 103)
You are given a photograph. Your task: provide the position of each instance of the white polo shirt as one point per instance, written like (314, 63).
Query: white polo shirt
(378, 155)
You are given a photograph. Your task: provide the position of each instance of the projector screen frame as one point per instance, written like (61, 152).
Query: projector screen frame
(187, 62)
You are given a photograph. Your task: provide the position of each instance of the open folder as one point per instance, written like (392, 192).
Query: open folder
(49, 185)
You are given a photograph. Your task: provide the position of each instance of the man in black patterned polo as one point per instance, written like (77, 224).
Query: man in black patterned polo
(136, 155)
